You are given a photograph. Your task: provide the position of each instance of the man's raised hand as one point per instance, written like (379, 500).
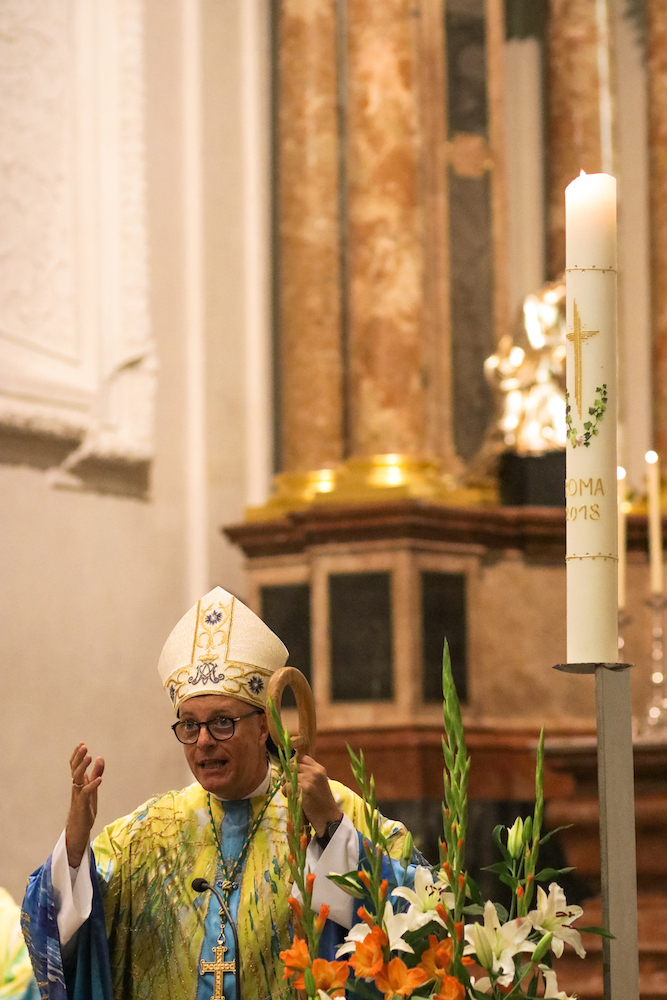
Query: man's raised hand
(83, 807)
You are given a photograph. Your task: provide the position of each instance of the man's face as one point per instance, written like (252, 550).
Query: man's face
(232, 768)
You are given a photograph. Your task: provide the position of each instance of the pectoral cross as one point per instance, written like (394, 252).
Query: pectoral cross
(578, 336)
(218, 968)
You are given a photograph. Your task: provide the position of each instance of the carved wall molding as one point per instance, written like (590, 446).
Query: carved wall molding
(77, 358)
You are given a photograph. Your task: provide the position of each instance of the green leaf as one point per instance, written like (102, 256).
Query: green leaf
(499, 868)
(551, 833)
(349, 884)
(597, 930)
(548, 873)
(473, 910)
(499, 844)
(361, 989)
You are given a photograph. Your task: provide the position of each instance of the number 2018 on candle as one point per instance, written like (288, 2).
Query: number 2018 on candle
(589, 512)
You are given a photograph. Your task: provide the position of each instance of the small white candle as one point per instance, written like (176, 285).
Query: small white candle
(622, 537)
(654, 521)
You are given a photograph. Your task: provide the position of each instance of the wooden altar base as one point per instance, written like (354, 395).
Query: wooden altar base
(578, 759)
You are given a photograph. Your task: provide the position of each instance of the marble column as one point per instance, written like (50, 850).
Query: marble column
(387, 376)
(309, 308)
(656, 41)
(574, 142)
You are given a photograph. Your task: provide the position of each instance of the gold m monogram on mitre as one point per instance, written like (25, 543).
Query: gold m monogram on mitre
(218, 968)
(220, 647)
(577, 337)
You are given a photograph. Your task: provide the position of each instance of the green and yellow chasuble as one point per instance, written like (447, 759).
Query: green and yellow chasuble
(155, 921)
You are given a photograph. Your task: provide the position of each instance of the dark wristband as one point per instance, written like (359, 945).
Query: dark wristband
(329, 831)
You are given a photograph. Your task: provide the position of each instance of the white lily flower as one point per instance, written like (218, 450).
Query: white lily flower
(424, 898)
(481, 984)
(551, 991)
(357, 932)
(554, 915)
(495, 944)
(395, 926)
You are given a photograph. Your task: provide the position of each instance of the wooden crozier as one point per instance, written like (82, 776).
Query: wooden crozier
(303, 741)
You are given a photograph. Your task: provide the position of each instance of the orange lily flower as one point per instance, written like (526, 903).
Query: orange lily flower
(395, 979)
(450, 989)
(364, 877)
(329, 976)
(437, 959)
(309, 882)
(368, 958)
(296, 958)
(295, 905)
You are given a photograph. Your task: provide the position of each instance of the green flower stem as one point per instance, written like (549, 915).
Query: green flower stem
(295, 831)
(533, 833)
(455, 806)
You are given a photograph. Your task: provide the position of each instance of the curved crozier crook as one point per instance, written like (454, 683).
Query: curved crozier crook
(303, 741)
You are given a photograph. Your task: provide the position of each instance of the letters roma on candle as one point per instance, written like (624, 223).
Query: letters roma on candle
(590, 487)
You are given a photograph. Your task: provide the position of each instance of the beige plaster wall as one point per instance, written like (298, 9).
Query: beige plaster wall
(91, 584)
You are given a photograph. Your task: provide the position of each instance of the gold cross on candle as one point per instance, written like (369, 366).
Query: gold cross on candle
(218, 968)
(578, 336)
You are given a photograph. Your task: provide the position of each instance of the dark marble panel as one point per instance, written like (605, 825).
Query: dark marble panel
(423, 817)
(532, 480)
(465, 34)
(471, 307)
(526, 18)
(285, 608)
(361, 636)
(443, 604)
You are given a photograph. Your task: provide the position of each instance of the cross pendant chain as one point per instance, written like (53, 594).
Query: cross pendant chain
(218, 968)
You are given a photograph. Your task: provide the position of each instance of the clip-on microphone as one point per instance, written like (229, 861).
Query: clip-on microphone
(201, 885)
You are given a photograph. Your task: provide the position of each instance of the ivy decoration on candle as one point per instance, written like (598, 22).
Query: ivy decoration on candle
(596, 412)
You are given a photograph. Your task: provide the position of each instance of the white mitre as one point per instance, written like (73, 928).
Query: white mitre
(220, 647)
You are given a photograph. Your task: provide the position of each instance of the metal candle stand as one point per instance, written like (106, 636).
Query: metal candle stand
(620, 955)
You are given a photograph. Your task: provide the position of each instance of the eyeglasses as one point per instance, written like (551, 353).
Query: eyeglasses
(220, 728)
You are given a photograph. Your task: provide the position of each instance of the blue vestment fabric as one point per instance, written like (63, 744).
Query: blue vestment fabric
(87, 976)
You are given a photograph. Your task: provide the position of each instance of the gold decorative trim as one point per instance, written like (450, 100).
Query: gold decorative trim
(598, 556)
(369, 480)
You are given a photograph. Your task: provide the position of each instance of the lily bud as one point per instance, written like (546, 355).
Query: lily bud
(527, 829)
(515, 838)
(309, 882)
(406, 853)
(295, 905)
(309, 983)
(542, 947)
(482, 947)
